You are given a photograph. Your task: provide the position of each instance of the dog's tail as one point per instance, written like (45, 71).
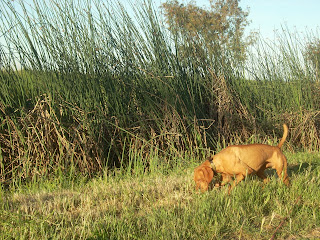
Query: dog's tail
(285, 134)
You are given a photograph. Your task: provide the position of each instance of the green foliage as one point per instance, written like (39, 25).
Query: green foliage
(216, 33)
(97, 87)
(86, 90)
(313, 54)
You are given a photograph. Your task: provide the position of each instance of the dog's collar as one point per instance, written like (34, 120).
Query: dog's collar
(213, 166)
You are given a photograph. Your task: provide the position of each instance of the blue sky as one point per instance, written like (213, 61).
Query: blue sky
(269, 15)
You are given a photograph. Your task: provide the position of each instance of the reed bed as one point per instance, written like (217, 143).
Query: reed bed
(86, 85)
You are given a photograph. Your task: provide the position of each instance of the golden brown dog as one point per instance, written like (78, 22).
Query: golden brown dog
(241, 160)
(203, 176)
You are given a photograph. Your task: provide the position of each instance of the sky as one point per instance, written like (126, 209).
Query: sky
(266, 16)
(269, 15)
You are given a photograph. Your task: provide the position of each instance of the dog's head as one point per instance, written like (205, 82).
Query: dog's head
(203, 176)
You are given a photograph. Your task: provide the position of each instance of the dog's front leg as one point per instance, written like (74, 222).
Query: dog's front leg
(238, 179)
(225, 179)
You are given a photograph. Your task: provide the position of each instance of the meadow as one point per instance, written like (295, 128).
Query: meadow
(104, 114)
(164, 205)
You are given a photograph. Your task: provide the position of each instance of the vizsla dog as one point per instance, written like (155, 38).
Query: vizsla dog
(241, 160)
(203, 176)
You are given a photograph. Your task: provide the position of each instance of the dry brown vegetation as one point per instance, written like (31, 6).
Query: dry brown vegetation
(37, 143)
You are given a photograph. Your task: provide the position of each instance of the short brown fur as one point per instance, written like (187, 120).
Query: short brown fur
(203, 176)
(241, 160)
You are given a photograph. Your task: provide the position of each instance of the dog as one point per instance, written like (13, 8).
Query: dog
(238, 161)
(203, 176)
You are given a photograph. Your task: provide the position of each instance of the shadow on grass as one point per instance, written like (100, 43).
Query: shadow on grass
(293, 169)
(302, 167)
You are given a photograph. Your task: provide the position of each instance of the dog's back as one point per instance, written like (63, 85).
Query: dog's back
(250, 157)
(241, 160)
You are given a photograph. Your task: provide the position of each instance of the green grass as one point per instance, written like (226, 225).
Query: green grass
(105, 93)
(161, 205)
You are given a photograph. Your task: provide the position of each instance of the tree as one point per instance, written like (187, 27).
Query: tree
(219, 29)
(313, 55)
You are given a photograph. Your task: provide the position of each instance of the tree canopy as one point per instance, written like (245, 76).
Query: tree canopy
(313, 55)
(220, 27)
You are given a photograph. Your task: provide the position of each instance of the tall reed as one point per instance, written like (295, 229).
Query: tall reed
(107, 81)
